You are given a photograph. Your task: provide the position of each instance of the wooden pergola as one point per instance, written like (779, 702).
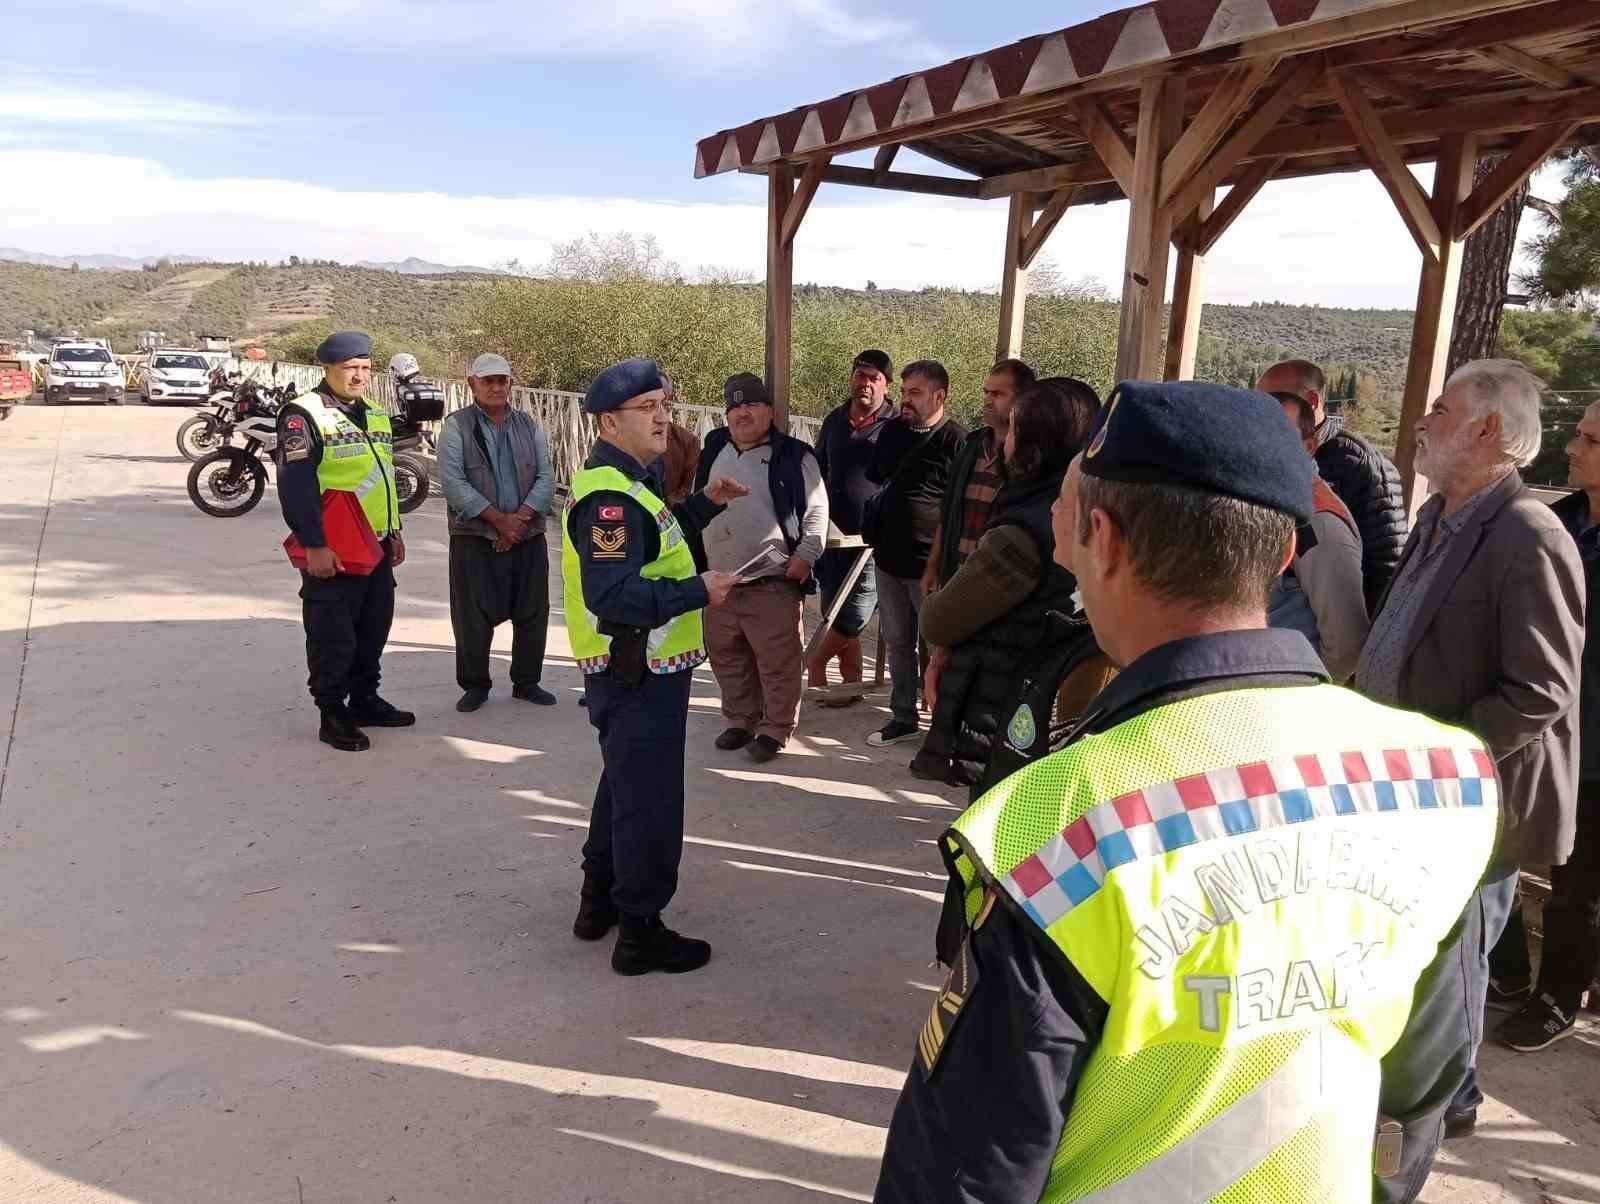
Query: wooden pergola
(1164, 104)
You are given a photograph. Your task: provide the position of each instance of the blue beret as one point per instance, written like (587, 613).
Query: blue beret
(620, 382)
(1235, 442)
(345, 345)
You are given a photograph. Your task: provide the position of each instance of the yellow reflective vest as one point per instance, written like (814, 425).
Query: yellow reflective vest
(1255, 906)
(357, 461)
(676, 645)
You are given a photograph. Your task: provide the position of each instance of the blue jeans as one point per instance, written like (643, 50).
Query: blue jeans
(832, 568)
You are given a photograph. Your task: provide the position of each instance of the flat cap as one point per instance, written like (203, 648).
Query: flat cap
(873, 358)
(623, 381)
(344, 345)
(743, 388)
(490, 364)
(1233, 442)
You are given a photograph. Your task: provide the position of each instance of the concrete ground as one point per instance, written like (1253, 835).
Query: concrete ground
(238, 966)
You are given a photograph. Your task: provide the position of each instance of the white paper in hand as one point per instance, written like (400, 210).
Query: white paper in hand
(762, 564)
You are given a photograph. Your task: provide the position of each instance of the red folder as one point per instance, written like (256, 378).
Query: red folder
(348, 533)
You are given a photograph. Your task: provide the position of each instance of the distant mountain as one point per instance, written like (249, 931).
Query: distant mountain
(412, 266)
(94, 263)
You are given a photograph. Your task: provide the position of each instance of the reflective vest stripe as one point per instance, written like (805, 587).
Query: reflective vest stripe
(666, 521)
(356, 461)
(1224, 1149)
(677, 644)
(371, 481)
(1072, 865)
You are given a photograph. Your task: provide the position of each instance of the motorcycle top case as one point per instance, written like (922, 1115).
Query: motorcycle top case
(422, 402)
(349, 534)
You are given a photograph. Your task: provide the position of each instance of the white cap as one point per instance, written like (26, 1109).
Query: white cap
(490, 364)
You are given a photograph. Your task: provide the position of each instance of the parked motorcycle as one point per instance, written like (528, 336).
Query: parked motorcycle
(416, 401)
(229, 481)
(202, 434)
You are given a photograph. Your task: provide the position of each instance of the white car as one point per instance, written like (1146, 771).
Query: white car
(182, 376)
(83, 371)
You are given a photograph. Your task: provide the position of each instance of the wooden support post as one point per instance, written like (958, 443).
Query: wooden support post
(1188, 295)
(1014, 278)
(780, 291)
(1436, 306)
(1144, 277)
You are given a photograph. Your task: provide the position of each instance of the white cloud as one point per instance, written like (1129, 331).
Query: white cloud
(46, 102)
(692, 36)
(1334, 240)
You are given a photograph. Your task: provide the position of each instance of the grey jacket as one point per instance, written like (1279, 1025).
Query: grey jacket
(470, 481)
(1497, 648)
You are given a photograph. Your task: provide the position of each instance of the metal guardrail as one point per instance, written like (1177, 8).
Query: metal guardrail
(569, 430)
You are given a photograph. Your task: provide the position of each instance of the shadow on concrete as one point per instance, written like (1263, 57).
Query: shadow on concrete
(226, 990)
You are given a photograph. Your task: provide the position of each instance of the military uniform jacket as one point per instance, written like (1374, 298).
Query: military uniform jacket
(988, 1125)
(627, 536)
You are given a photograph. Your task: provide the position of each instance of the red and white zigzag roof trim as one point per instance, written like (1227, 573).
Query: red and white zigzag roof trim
(1144, 34)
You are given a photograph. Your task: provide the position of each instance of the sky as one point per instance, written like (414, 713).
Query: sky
(477, 132)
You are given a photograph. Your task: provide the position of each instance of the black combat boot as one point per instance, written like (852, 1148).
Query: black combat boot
(597, 914)
(375, 712)
(646, 944)
(340, 731)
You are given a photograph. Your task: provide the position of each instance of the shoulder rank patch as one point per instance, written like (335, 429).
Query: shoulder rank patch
(296, 447)
(611, 514)
(947, 1008)
(610, 543)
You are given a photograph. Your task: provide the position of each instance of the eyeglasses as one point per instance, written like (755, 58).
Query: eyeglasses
(648, 407)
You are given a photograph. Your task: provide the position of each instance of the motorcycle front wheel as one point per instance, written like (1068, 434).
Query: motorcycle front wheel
(227, 483)
(200, 436)
(410, 481)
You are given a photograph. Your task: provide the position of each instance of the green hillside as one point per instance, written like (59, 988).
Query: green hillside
(243, 301)
(559, 332)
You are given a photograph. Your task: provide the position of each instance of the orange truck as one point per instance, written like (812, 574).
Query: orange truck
(16, 379)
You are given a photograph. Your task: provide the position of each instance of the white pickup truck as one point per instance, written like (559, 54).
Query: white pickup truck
(83, 371)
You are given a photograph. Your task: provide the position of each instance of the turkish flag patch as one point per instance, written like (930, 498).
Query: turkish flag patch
(295, 423)
(611, 514)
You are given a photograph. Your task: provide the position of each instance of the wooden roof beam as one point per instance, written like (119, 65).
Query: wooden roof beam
(1033, 240)
(1383, 81)
(1230, 101)
(1495, 115)
(1267, 111)
(1108, 140)
(1529, 67)
(1535, 147)
(1415, 208)
(1519, 24)
(894, 181)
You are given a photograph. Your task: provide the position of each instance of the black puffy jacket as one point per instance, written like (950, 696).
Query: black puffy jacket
(1369, 485)
(978, 685)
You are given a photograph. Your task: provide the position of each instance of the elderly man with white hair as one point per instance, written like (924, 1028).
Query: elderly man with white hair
(1483, 627)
